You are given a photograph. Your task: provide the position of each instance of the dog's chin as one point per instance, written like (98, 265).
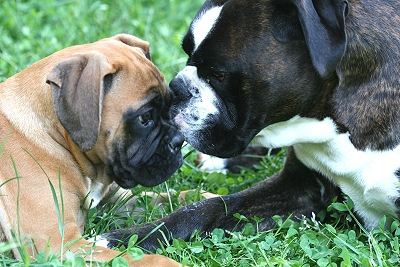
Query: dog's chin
(221, 149)
(126, 184)
(147, 169)
(156, 171)
(204, 139)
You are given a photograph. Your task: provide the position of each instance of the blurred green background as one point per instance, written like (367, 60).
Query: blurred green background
(31, 30)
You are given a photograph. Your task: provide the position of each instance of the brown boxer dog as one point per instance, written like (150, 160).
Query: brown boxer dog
(320, 77)
(77, 121)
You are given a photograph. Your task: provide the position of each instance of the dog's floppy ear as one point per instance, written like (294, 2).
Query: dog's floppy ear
(78, 85)
(322, 24)
(134, 42)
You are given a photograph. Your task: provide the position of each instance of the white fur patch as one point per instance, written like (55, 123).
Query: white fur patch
(95, 195)
(96, 192)
(203, 102)
(294, 131)
(209, 163)
(203, 25)
(368, 177)
(99, 241)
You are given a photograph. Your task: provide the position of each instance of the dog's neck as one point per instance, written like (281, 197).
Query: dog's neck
(39, 123)
(90, 164)
(368, 87)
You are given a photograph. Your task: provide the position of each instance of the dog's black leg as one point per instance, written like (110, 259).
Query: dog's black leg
(295, 190)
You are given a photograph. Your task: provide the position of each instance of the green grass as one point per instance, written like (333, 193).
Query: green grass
(31, 30)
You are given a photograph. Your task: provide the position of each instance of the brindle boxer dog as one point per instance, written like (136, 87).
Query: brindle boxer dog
(320, 77)
(83, 117)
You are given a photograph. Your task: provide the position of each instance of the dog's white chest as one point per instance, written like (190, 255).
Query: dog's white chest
(368, 177)
(96, 193)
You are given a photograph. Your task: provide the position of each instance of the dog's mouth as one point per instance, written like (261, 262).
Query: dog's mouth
(154, 164)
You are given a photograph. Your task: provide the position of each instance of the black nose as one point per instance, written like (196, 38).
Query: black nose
(176, 142)
(180, 90)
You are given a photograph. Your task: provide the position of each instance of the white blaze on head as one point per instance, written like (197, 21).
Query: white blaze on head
(203, 24)
(202, 104)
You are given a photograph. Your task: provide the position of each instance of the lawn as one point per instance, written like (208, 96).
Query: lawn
(33, 29)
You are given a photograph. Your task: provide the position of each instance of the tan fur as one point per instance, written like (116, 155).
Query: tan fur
(39, 151)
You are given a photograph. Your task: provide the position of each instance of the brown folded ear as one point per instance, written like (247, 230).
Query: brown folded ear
(135, 42)
(78, 85)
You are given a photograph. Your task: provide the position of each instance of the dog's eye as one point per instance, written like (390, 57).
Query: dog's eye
(219, 75)
(146, 117)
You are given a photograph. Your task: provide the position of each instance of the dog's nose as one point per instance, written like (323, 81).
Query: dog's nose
(176, 142)
(180, 90)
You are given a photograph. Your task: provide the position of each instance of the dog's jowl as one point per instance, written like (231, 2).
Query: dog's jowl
(319, 77)
(80, 120)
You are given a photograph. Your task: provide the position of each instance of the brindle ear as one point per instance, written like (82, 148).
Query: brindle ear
(78, 85)
(323, 26)
(134, 42)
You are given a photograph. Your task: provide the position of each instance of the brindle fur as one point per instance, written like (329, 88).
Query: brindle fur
(360, 93)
